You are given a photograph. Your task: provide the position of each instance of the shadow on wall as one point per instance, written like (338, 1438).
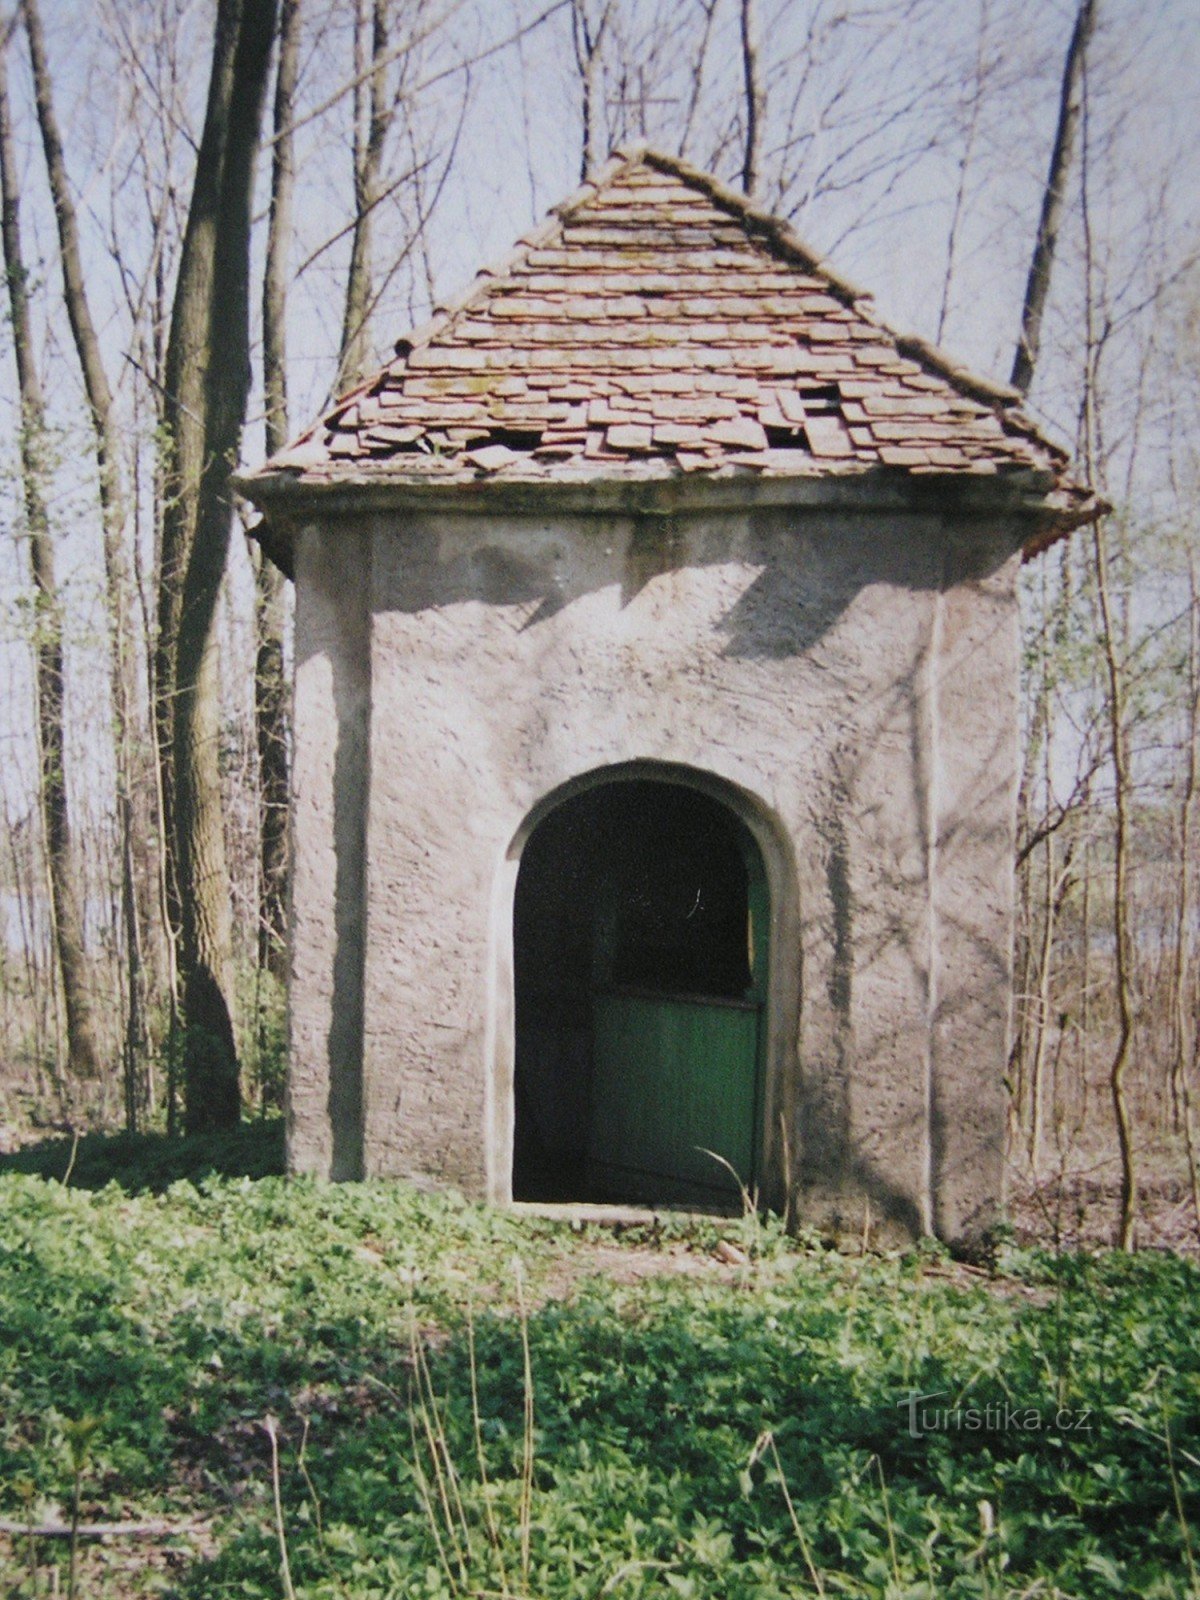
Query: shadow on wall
(351, 782)
(965, 993)
(807, 578)
(805, 582)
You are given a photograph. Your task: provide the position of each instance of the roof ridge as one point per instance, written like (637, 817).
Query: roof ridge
(776, 229)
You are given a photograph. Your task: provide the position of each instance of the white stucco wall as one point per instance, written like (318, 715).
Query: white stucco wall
(848, 679)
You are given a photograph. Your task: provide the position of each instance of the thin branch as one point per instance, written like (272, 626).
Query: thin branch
(411, 41)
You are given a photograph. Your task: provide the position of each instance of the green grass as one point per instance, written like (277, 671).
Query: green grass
(695, 1433)
(141, 1162)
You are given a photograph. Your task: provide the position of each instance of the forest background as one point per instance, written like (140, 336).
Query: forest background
(218, 213)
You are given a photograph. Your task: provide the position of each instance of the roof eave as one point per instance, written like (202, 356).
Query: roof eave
(1033, 499)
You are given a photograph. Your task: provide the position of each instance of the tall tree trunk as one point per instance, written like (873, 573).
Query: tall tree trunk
(372, 118)
(1018, 1059)
(279, 230)
(170, 556)
(1114, 718)
(127, 729)
(270, 688)
(588, 42)
(160, 679)
(752, 94)
(208, 380)
(1121, 937)
(1181, 965)
(82, 1050)
(1044, 978)
(1037, 287)
(1183, 1020)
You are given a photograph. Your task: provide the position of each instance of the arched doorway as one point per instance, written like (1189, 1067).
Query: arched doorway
(640, 933)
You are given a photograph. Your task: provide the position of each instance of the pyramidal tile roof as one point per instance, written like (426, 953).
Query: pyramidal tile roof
(659, 325)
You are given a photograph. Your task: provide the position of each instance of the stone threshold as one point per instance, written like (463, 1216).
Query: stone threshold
(582, 1214)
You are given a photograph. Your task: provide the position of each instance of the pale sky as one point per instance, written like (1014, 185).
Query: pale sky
(518, 152)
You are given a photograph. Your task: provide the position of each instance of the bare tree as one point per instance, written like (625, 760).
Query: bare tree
(372, 119)
(1119, 753)
(1097, 336)
(126, 732)
(269, 685)
(82, 1050)
(708, 9)
(974, 107)
(146, 215)
(1181, 1020)
(587, 39)
(752, 94)
(207, 383)
(1041, 267)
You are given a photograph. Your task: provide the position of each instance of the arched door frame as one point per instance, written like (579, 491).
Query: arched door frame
(783, 982)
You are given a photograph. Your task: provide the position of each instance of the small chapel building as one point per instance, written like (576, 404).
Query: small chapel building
(656, 733)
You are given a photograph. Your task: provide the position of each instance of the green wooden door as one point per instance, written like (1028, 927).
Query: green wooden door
(676, 1078)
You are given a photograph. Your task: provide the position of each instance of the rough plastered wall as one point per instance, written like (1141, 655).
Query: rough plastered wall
(331, 752)
(846, 680)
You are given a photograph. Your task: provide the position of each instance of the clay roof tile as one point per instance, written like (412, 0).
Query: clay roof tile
(679, 321)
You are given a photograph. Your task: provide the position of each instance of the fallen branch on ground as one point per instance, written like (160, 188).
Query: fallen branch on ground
(98, 1530)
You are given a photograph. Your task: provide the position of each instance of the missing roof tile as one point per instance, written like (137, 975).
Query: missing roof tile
(779, 438)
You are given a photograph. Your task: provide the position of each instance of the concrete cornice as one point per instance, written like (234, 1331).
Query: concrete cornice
(1031, 500)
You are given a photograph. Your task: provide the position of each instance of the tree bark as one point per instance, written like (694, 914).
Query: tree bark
(1114, 718)
(207, 383)
(368, 156)
(1181, 965)
(270, 687)
(1182, 1060)
(588, 43)
(128, 733)
(1121, 939)
(753, 97)
(82, 1049)
(1037, 287)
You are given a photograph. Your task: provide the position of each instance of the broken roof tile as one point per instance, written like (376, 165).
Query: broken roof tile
(746, 433)
(632, 436)
(827, 436)
(656, 313)
(678, 433)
